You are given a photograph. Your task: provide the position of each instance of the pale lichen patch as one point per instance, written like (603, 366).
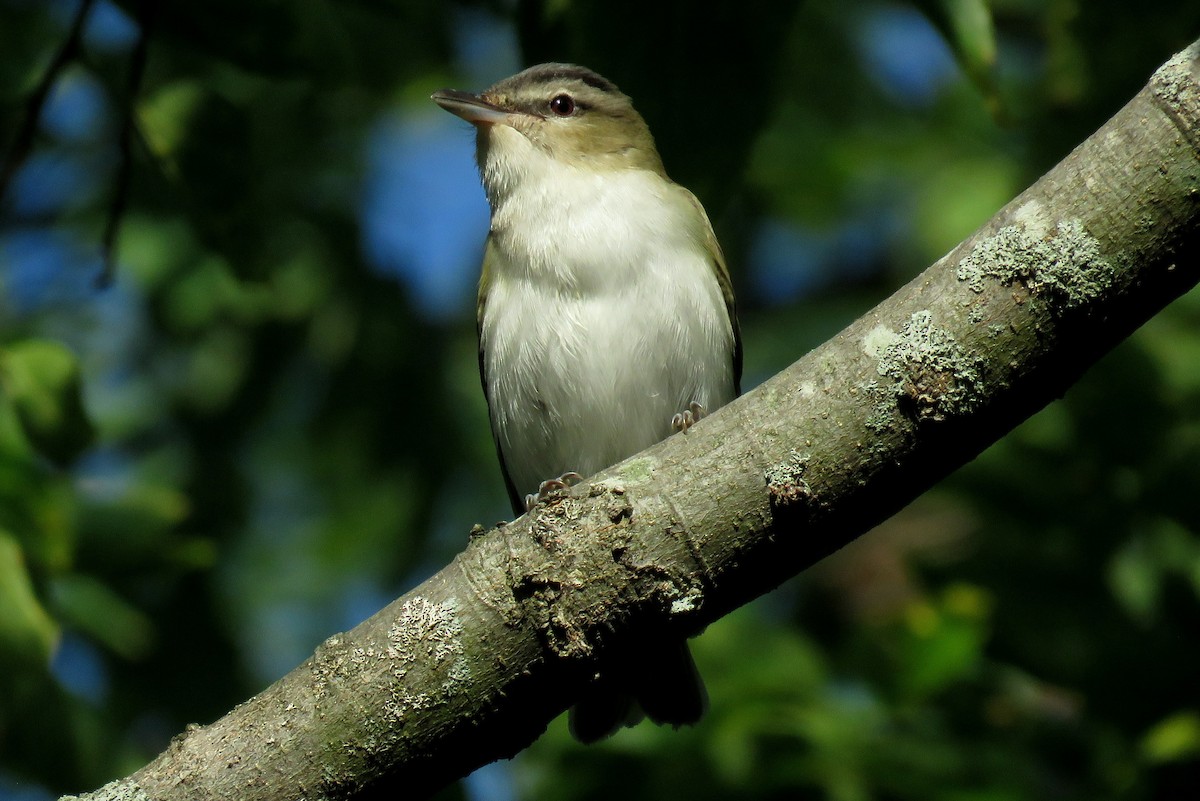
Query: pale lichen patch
(1066, 266)
(877, 339)
(1175, 79)
(688, 602)
(425, 629)
(426, 635)
(411, 702)
(786, 484)
(1031, 218)
(326, 665)
(930, 373)
(637, 470)
(120, 790)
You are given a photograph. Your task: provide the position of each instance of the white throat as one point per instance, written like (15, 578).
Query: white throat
(571, 225)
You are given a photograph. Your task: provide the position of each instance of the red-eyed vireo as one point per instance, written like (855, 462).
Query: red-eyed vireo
(606, 317)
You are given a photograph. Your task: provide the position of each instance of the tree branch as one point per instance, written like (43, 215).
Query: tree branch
(120, 197)
(470, 666)
(22, 143)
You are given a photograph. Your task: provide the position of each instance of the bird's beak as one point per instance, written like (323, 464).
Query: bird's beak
(472, 108)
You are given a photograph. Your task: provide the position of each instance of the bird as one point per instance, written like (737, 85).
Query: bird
(606, 321)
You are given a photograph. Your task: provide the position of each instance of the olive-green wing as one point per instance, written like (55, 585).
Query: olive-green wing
(722, 271)
(514, 497)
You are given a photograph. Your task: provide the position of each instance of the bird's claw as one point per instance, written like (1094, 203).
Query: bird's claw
(549, 487)
(688, 417)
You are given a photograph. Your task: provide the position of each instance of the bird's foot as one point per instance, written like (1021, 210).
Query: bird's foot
(688, 417)
(549, 487)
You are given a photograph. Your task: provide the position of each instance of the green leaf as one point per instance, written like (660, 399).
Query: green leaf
(100, 613)
(1174, 738)
(27, 633)
(945, 639)
(967, 27)
(41, 377)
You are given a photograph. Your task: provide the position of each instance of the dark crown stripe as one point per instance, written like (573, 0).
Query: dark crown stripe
(566, 72)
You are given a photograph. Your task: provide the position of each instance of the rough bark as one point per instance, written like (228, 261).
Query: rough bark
(470, 666)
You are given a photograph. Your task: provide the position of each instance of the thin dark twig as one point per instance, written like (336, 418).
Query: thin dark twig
(23, 141)
(116, 210)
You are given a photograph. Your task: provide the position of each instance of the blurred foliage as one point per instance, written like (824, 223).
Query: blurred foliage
(256, 436)
(41, 387)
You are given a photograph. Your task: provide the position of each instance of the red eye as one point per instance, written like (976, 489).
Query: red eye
(562, 105)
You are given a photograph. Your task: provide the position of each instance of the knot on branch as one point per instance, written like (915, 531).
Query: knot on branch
(786, 484)
(579, 589)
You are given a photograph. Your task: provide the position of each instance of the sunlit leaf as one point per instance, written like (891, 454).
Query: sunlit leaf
(968, 27)
(1135, 581)
(1174, 738)
(166, 115)
(945, 639)
(27, 632)
(41, 377)
(96, 610)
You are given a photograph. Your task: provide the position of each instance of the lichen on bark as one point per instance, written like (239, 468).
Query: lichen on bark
(1064, 265)
(930, 374)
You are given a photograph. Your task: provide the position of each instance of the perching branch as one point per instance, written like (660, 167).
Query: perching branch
(471, 666)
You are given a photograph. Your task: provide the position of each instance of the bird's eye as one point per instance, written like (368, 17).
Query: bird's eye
(562, 105)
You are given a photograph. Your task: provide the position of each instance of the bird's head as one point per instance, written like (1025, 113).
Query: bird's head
(553, 115)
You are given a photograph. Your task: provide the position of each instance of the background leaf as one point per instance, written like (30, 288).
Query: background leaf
(27, 633)
(41, 380)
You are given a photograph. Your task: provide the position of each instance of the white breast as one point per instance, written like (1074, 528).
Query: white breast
(603, 319)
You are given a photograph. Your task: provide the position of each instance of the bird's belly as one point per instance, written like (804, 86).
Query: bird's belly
(579, 383)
